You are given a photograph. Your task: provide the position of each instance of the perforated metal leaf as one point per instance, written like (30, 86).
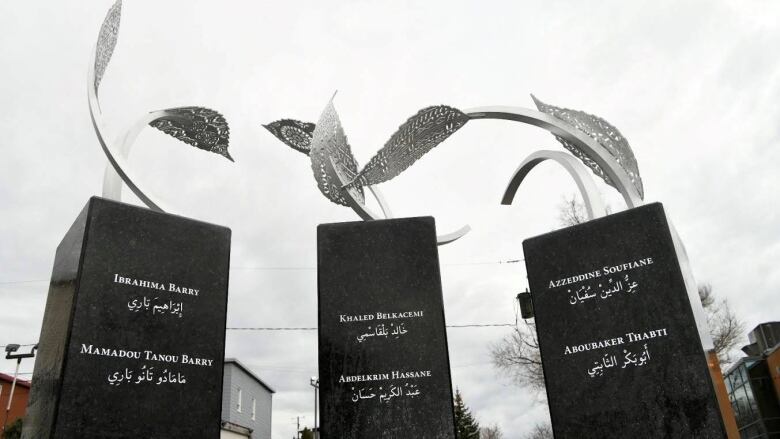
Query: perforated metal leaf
(107, 41)
(605, 134)
(293, 133)
(331, 158)
(415, 138)
(200, 127)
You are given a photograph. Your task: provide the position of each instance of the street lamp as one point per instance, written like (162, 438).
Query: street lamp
(315, 382)
(9, 354)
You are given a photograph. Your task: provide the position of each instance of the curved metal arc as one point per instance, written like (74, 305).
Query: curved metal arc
(559, 128)
(380, 198)
(691, 287)
(112, 182)
(581, 175)
(453, 236)
(361, 209)
(367, 214)
(117, 162)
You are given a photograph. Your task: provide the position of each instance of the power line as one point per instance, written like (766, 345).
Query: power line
(294, 268)
(13, 282)
(314, 328)
(271, 268)
(270, 329)
(250, 328)
(284, 368)
(311, 267)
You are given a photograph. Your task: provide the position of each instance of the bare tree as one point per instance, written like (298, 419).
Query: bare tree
(492, 432)
(517, 355)
(571, 211)
(725, 328)
(540, 431)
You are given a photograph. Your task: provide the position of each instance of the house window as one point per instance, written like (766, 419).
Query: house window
(238, 403)
(254, 408)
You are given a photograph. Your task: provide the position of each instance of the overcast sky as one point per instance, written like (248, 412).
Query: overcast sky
(694, 86)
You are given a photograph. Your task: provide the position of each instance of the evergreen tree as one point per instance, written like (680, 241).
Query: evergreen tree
(466, 427)
(307, 434)
(14, 430)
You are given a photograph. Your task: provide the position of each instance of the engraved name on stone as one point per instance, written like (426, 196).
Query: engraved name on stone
(145, 355)
(152, 304)
(162, 286)
(346, 318)
(630, 337)
(384, 330)
(603, 283)
(146, 373)
(147, 369)
(394, 375)
(386, 392)
(604, 271)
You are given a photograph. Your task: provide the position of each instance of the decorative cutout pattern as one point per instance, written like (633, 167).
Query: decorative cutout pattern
(415, 138)
(293, 133)
(197, 126)
(605, 134)
(331, 158)
(107, 41)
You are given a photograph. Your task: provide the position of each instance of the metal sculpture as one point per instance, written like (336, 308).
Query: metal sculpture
(596, 144)
(594, 207)
(605, 134)
(591, 139)
(200, 127)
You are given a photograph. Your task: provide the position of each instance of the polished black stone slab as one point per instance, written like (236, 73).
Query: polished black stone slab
(621, 353)
(384, 368)
(133, 334)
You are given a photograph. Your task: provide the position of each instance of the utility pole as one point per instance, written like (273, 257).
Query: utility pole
(297, 420)
(315, 382)
(9, 354)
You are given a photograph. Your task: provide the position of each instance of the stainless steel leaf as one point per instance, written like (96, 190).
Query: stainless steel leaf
(605, 134)
(197, 126)
(331, 158)
(293, 133)
(418, 135)
(107, 41)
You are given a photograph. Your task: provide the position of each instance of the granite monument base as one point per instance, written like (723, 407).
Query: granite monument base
(620, 349)
(133, 334)
(383, 362)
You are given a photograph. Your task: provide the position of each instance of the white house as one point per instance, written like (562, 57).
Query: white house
(246, 403)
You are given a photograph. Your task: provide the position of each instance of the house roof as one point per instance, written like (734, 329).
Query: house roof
(19, 382)
(249, 372)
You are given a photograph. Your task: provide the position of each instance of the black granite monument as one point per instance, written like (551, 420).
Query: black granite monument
(384, 368)
(620, 349)
(133, 335)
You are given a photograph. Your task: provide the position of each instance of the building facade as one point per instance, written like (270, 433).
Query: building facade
(773, 363)
(752, 385)
(246, 403)
(19, 401)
